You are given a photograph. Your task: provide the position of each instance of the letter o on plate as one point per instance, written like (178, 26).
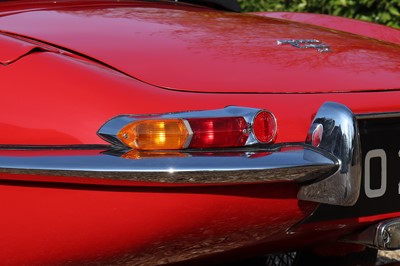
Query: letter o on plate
(375, 192)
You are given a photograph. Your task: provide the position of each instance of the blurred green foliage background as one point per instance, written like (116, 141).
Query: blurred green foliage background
(380, 11)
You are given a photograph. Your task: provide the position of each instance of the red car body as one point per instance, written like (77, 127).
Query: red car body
(68, 67)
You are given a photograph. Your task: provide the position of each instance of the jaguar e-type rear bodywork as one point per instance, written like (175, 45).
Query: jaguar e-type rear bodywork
(154, 132)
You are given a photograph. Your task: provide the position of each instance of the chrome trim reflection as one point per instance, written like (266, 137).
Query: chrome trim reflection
(383, 236)
(387, 236)
(341, 139)
(306, 44)
(258, 165)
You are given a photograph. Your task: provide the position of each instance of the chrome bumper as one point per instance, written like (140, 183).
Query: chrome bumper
(330, 173)
(259, 165)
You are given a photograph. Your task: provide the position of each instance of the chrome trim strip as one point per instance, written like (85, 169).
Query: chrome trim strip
(259, 165)
(378, 115)
(190, 133)
(340, 138)
(13, 147)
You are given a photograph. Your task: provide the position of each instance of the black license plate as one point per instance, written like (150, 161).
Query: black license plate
(380, 145)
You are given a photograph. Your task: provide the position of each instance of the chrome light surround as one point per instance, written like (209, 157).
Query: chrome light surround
(109, 130)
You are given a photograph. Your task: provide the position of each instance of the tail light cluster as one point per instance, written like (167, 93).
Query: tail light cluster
(228, 127)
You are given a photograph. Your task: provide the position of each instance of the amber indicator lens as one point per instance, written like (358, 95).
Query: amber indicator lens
(155, 134)
(218, 132)
(264, 127)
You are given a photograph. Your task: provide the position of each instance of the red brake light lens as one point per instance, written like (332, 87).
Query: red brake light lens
(218, 132)
(264, 127)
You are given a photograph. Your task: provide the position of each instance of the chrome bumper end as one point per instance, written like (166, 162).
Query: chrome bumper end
(341, 139)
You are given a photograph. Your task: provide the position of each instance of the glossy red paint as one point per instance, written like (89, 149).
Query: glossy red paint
(201, 52)
(358, 27)
(56, 225)
(74, 117)
(13, 49)
(58, 97)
